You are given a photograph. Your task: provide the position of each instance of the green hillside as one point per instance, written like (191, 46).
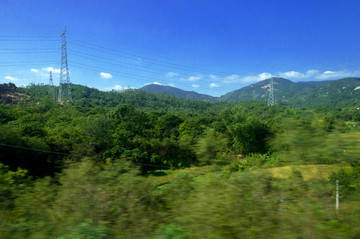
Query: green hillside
(339, 93)
(192, 95)
(284, 91)
(134, 164)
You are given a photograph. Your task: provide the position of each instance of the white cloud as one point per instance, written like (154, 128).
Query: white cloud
(171, 84)
(311, 73)
(172, 74)
(315, 74)
(118, 88)
(195, 86)
(34, 70)
(292, 74)
(213, 77)
(153, 83)
(54, 70)
(105, 75)
(265, 75)
(337, 74)
(260, 77)
(194, 78)
(232, 79)
(10, 78)
(212, 85)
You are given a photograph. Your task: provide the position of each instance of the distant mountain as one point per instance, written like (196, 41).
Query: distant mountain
(284, 90)
(329, 93)
(338, 93)
(191, 95)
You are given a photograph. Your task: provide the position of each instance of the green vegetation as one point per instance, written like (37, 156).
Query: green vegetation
(134, 164)
(335, 93)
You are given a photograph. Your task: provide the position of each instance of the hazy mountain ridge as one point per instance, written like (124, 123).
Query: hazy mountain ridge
(339, 93)
(178, 93)
(327, 93)
(335, 93)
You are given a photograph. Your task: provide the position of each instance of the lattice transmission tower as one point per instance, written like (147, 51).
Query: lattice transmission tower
(64, 72)
(271, 99)
(51, 82)
(52, 89)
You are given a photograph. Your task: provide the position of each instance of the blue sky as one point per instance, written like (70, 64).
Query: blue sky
(211, 47)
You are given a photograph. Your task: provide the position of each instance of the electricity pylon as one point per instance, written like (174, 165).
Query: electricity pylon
(64, 71)
(51, 83)
(271, 99)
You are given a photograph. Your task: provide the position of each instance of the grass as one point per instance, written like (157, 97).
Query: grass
(351, 142)
(206, 173)
(307, 171)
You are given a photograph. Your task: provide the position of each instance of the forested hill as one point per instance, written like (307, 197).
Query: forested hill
(338, 93)
(192, 95)
(89, 97)
(284, 90)
(328, 93)
(134, 164)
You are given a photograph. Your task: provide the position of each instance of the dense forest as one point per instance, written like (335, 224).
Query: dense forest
(134, 164)
(308, 94)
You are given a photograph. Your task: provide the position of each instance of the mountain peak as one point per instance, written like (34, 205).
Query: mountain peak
(176, 92)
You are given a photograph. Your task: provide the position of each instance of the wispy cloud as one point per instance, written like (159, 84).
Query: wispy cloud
(317, 75)
(292, 74)
(260, 77)
(118, 88)
(195, 86)
(172, 84)
(153, 83)
(172, 74)
(337, 74)
(194, 78)
(232, 79)
(213, 85)
(10, 78)
(54, 70)
(44, 71)
(105, 75)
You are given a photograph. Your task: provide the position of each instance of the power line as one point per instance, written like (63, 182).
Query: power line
(27, 64)
(38, 150)
(26, 36)
(29, 40)
(29, 49)
(114, 72)
(159, 65)
(149, 60)
(108, 50)
(26, 52)
(110, 61)
(66, 154)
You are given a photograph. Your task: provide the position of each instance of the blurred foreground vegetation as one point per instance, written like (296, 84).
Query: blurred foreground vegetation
(152, 166)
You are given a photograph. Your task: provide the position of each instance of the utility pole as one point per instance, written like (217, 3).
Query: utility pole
(271, 99)
(64, 71)
(337, 196)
